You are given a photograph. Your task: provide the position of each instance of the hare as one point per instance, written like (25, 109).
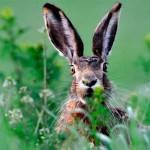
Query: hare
(88, 72)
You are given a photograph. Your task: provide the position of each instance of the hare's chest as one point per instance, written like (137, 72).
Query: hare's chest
(72, 112)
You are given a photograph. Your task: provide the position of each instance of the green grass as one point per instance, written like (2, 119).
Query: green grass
(85, 14)
(30, 100)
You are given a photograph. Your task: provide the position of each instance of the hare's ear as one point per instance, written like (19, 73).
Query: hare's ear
(105, 32)
(62, 33)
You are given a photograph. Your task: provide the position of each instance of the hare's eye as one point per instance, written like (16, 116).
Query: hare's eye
(105, 67)
(72, 70)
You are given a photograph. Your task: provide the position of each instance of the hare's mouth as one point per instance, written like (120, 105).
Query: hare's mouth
(89, 92)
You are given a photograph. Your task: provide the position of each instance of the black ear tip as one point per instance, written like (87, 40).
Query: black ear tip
(46, 8)
(116, 7)
(49, 6)
(46, 5)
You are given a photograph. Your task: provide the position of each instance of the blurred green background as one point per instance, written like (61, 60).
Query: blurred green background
(21, 57)
(85, 15)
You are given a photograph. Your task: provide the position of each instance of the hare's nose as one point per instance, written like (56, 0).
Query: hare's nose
(89, 83)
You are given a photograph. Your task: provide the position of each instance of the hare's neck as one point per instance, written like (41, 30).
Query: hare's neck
(107, 85)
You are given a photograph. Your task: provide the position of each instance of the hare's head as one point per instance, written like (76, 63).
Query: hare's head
(88, 72)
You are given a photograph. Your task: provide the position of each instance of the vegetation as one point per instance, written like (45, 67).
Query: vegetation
(145, 60)
(29, 102)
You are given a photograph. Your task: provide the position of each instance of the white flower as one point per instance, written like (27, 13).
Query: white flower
(23, 89)
(44, 132)
(27, 99)
(2, 100)
(46, 93)
(8, 82)
(14, 115)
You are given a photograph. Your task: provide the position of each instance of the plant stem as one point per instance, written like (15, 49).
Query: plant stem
(44, 66)
(41, 114)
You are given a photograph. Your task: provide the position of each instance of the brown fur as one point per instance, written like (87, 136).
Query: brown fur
(88, 72)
